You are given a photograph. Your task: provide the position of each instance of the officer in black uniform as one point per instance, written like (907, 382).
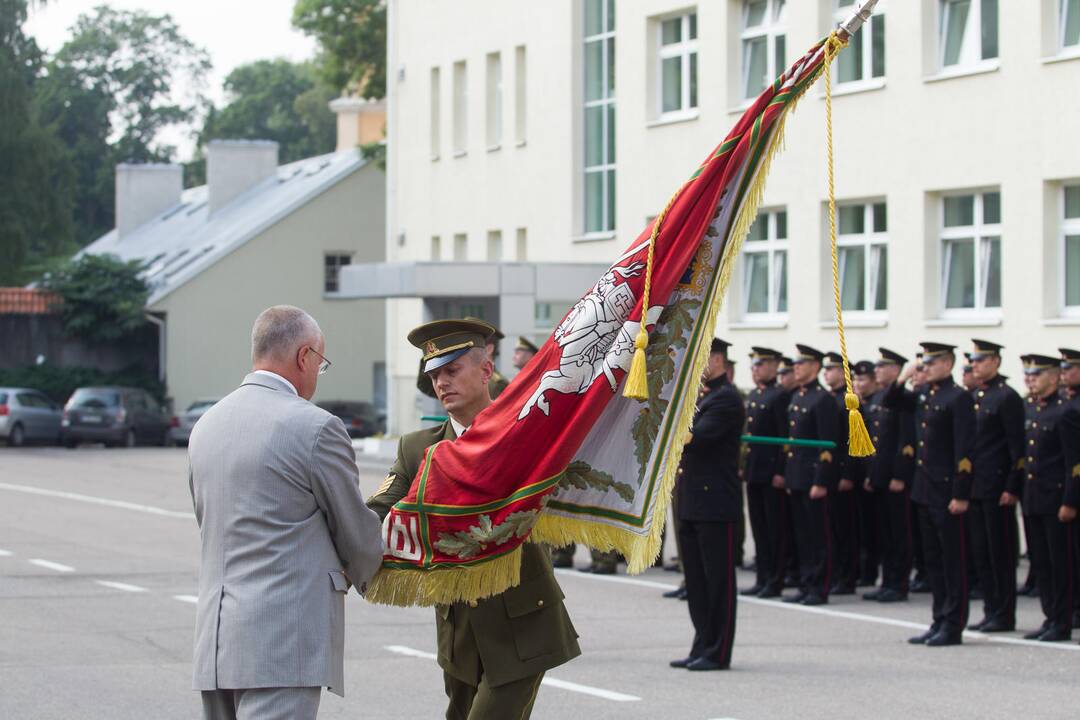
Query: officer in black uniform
(999, 447)
(945, 443)
(864, 382)
(843, 505)
(1049, 499)
(967, 374)
(810, 475)
(1070, 390)
(710, 505)
(766, 415)
(785, 378)
(889, 478)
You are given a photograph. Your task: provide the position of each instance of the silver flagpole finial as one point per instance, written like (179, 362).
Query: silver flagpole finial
(862, 13)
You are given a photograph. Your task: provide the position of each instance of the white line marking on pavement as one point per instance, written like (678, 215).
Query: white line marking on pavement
(6, 553)
(193, 599)
(561, 684)
(123, 504)
(842, 614)
(120, 586)
(49, 565)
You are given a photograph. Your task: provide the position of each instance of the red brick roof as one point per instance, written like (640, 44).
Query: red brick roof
(21, 301)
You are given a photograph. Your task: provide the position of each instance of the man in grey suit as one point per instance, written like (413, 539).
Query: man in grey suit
(284, 531)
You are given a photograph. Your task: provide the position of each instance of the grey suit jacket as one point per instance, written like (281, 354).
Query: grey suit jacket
(282, 521)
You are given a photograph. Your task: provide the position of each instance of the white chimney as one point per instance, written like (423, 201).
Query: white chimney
(144, 191)
(359, 122)
(233, 166)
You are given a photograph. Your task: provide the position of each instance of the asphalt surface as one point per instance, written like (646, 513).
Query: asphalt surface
(99, 563)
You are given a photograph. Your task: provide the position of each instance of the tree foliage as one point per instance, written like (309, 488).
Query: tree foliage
(103, 297)
(352, 39)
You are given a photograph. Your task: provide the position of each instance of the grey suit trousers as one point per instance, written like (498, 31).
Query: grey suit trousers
(291, 703)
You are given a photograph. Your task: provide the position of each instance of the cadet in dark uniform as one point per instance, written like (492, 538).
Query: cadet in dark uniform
(494, 651)
(967, 374)
(1049, 498)
(889, 479)
(710, 505)
(766, 415)
(810, 475)
(864, 382)
(1070, 390)
(999, 447)
(785, 378)
(945, 443)
(843, 504)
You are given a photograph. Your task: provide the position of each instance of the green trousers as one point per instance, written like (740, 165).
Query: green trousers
(512, 701)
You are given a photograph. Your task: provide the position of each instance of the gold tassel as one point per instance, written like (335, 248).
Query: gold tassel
(637, 383)
(859, 444)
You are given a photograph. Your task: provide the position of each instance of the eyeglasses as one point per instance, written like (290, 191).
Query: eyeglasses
(325, 364)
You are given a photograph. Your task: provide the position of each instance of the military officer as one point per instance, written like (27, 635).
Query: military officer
(493, 652)
(967, 374)
(710, 505)
(945, 444)
(864, 382)
(810, 474)
(889, 477)
(999, 447)
(1070, 372)
(1049, 499)
(498, 380)
(524, 351)
(785, 374)
(843, 505)
(766, 415)
(785, 378)
(1070, 390)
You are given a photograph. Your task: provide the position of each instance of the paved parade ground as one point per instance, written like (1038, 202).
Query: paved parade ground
(98, 571)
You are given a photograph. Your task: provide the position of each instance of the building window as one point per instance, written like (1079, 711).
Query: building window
(494, 100)
(1070, 237)
(863, 255)
(599, 164)
(461, 97)
(678, 64)
(520, 86)
(971, 251)
(765, 265)
(332, 264)
(494, 246)
(1070, 24)
(436, 248)
(865, 57)
(461, 247)
(522, 245)
(763, 44)
(968, 32)
(436, 114)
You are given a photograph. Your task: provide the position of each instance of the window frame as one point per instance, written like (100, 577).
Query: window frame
(1062, 18)
(981, 234)
(868, 81)
(607, 168)
(435, 111)
(773, 26)
(1069, 227)
(460, 108)
(493, 100)
(686, 50)
(336, 256)
(965, 65)
(771, 246)
(870, 240)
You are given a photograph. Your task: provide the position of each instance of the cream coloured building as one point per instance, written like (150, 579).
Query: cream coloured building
(526, 135)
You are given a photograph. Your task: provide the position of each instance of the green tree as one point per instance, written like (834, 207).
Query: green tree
(103, 296)
(352, 41)
(35, 174)
(272, 100)
(110, 91)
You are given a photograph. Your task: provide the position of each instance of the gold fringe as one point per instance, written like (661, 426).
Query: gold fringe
(637, 384)
(558, 530)
(859, 444)
(445, 585)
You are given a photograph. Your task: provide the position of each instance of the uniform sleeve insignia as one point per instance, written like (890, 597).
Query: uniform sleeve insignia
(385, 484)
(1076, 470)
(908, 451)
(826, 456)
(964, 466)
(1020, 464)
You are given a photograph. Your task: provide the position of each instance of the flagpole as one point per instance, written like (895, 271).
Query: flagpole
(861, 15)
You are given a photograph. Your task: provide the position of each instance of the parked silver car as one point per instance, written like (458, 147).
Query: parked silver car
(27, 416)
(181, 425)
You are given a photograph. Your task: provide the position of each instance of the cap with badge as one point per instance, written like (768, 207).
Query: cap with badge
(523, 343)
(833, 360)
(807, 354)
(933, 350)
(1069, 358)
(863, 367)
(1035, 364)
(444, 341)
(719, 347)
(982, 349)
(759, 355)
(888, 357)
(785, 366)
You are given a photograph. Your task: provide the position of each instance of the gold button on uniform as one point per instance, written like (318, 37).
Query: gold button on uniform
(539, 603)
(473, 603)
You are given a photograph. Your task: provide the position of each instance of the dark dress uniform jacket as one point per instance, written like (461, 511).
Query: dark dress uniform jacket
(812, 415)
(999, 440)
(1070, 435)
(1044, 474)
(893, 432)
(766, 415)
(520, 632)
(709, 489)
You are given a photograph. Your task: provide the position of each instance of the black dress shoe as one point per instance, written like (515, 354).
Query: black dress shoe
(796, 598)
(920, 585)
(888, 595)
(790, 581)
(921, 639)
(562, 562)
(998, 625)
(706, 664)
(682, 663)
(873, 594)
(944, 638)
(673, 567)
(678, 593)
(979, 625)
(814, 599)
(599, 569)
(845, 589)
(976, 594)
(1036, 634)
(1056, 634)
(769, 591)
(754, 589)
(867, 581)
(1027, 590)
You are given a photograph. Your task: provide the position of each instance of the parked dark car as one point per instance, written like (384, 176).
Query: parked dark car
(27, 416)
(116, 416)
(361, 418)
(181, 425)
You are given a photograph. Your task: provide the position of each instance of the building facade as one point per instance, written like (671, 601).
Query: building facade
(541, 133)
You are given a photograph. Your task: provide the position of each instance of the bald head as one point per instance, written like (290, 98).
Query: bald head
(280, 332)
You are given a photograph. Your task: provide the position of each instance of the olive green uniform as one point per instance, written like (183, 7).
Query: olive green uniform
(497, 384)
(493, 652)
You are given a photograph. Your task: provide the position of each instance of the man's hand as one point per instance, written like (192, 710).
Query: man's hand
(867, 486)
(958, 507)
(689, 437)
(1066, 513)
(845, 485)
(907, 372)
(778, 482)
(896, 486)
(1008, 499)
(818, 492)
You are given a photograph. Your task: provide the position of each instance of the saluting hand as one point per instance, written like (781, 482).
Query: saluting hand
(958, 507)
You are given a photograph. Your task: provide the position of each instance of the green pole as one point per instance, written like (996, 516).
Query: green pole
(764, 440)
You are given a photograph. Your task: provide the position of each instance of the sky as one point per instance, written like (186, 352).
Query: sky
(234, 32)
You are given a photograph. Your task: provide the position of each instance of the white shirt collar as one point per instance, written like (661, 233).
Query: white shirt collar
(278, 377)
(459, 429)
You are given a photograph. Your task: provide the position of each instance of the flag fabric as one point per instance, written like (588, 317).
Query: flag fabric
(562, 456)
